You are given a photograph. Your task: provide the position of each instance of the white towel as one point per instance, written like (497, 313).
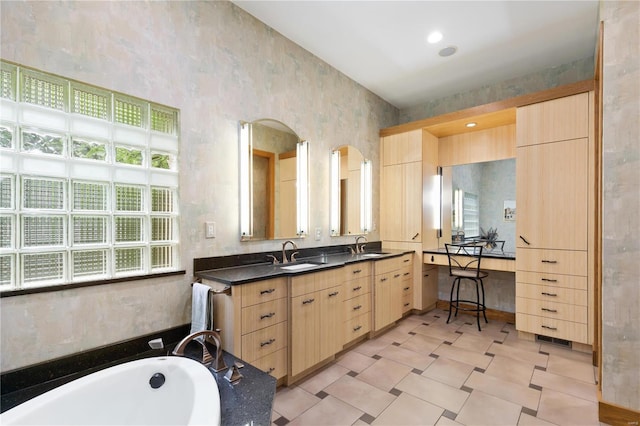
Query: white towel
(199, 307)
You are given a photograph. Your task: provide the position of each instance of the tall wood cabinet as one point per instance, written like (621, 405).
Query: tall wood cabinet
(555, 218)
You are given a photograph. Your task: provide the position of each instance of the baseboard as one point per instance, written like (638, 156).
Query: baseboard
(493, 314)
(617, 415)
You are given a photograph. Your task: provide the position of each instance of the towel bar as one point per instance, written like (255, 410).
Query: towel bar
(222, 290)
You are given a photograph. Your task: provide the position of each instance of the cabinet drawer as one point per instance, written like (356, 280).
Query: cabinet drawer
(406, 260)
(407, 301)
(407, 273)
(386, 265)
(263, 342)
(552, 294)
(435, 259)
(566, 262)
(555, 280)
(308, 283)
(357, 306)
(356, 287)
(263, 315)
(566, 330)
(357, 270)
(263, 291)
(275, 363)
(561, 311)
(357, 326)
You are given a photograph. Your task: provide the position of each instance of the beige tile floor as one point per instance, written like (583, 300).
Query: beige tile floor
(427, 372)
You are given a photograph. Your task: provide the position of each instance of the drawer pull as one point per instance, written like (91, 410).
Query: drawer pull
(396, 275)
(268, 342)
(406, 273)
(268, 291)
(269, 315)
(406, 304)
(408, 260)
(357, 328)
(426, 275)
(544, 293)
(335, 293)
(271, 370)
(549, 310)
(549, 280)
(357, 271)
(414, 237)
(525, 241)
(357, 288)
(383, 279)
(406, 288)
(549, 261)
(307, 301)
(355, 308)
(549, 328)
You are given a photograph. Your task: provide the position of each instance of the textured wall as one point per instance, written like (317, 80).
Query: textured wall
(552, 77)
(218, 65)
(621, 204)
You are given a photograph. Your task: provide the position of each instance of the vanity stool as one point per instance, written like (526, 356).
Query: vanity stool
(464, 264)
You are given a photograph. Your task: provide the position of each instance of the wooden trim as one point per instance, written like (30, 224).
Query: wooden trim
(271, 203)
(288, 154)
(614, 414)
(493, 314)
(518, 101)
(597, 243)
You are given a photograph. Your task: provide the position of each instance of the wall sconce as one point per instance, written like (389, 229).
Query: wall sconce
(302, 157)
(366, 203)
(246, 181)
(335, 193)
(458, 196)
(437, 205)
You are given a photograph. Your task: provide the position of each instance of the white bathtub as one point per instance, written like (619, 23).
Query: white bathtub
(123, 395)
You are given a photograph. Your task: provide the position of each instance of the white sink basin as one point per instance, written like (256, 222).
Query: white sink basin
(299, 266)
(372, 255)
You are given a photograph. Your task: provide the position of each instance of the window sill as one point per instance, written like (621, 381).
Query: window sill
(70, 286)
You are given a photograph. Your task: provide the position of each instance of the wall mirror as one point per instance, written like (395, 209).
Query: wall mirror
(273, 181)
(480, 196)
(351, 192)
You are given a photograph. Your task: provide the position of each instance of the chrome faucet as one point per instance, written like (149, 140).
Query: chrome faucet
(208, 335)
(284, 252)
(360, 248)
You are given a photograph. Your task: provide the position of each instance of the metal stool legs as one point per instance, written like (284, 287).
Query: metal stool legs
(479, 303)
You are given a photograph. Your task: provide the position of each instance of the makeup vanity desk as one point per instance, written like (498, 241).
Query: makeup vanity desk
(493, 261)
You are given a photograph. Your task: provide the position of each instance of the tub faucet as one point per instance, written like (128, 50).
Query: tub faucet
(360, 248)
(208, 335)
(284, 252)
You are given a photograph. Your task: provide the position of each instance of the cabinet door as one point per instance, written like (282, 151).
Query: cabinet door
(402, 148)
(552, 195)
(412, 215)
(392, 202)
(388, 299)
(305, 337)
(331, 319)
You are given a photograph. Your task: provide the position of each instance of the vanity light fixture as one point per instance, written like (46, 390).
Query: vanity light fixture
(302, 157)
(471, 124)
(366, 221)
(437, 203)
(434, 37)
(335, 192)
(246, 181)
(458, 197)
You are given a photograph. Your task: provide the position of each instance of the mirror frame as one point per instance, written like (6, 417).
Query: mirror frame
(366, 195)
(246, 181)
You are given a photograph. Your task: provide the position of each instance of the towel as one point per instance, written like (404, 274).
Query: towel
(199, 307)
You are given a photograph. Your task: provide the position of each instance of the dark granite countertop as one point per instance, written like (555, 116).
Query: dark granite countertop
(249, 273)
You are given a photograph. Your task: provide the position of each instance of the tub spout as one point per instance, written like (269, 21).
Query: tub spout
(209, 336)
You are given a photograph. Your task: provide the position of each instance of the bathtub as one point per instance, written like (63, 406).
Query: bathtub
(153, 391)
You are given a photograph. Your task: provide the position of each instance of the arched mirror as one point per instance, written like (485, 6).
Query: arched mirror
(273, 181)
(351, 194)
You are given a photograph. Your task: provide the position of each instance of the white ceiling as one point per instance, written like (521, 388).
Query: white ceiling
(382, 44)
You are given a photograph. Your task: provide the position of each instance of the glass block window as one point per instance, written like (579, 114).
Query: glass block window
(6, 137)
(103, 202)
(89, 150)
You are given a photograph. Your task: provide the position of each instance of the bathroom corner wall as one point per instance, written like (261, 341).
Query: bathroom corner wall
(621, 204)
(218, 65)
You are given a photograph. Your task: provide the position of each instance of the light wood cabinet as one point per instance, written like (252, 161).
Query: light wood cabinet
(554, 276)
(357, 301)
(388, 289)
(315, 318)
(254, 324)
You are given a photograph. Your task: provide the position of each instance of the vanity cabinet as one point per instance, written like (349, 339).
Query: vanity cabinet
(357, 301)
(388, 289)
(316, 318)
(554, 227)
(254, 324)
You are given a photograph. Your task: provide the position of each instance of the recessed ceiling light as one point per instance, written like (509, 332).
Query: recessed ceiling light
(434, 37)
(471, 124)
(448, 51)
